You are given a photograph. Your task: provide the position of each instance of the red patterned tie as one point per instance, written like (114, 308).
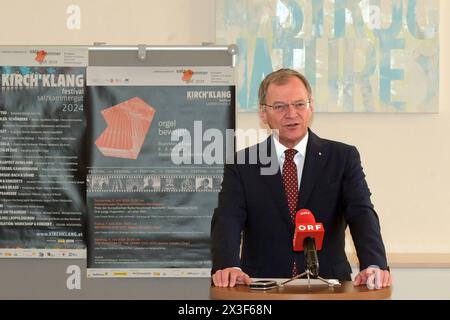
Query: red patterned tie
(290, 182)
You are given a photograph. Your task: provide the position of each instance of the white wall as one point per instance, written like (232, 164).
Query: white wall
(421, 284)
(130, 22)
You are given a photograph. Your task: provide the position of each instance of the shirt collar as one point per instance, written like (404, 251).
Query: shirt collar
(300, 147)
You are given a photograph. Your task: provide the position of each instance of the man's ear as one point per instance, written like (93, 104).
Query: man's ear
(311, 104)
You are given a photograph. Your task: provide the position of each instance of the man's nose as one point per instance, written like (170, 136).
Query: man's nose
(291, 110)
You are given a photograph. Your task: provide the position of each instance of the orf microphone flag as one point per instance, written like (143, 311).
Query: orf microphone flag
(307, 227)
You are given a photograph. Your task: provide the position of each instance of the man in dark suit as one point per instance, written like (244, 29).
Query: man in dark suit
(256, 203)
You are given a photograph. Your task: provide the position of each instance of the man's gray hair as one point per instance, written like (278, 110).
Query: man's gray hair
(280, 77)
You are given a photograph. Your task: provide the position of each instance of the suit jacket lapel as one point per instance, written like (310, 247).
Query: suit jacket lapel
(315, 159)
(274, 181)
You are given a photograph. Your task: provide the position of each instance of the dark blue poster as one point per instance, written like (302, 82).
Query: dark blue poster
(156, 164)
(42, 161)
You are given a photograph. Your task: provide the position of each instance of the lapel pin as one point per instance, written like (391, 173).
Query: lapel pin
(320, 153)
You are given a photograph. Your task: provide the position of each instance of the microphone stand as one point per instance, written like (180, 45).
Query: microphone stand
(308, 273)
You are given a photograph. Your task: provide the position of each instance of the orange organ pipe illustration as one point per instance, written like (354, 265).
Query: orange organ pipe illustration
(128, 123)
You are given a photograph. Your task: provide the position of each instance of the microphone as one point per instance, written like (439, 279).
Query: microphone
(311, 259)
(308, 237)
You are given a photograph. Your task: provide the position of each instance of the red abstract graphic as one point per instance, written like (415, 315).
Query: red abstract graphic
(40, 56)
(128, 124)
(187, 75)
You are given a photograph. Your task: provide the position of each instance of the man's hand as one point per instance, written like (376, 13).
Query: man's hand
(374, 278)
(229, 277)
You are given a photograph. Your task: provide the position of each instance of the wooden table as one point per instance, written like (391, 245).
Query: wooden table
(346, 291)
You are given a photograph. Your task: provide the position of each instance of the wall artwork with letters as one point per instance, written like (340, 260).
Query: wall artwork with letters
(359, 55)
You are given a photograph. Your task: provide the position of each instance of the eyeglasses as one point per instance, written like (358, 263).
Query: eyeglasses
(283, 107)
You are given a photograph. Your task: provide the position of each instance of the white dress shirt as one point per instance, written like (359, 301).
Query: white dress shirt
(299, 157)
